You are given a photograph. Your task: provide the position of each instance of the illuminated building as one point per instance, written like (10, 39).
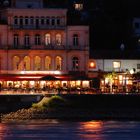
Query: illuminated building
(36, 41)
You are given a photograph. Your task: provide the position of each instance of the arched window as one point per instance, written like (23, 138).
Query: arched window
(58, 63)
(26, 64)
(37, 63)
(16, 62)
(75, 40)
(16, 40)
(58, 39)
(75, 63)
(47, 39)
(27, 40)
(37, 39)
(47, 63)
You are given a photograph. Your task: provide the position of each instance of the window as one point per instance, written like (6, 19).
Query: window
(138, 66)
(37, 63)
(75, 63)
(47, 39)
(47, 21)
(47, 63)
(37, 22)
(26, 21)
(37, 39)
(53, 21)
(58, 39)
(16, 40)
(116, 65)
(75, 40)
(26, 40)
(16, 61)
(16, 20)
(42, 21)
(31, 20)
(78, 6)
(26, 63)
(58, 62)
(58, 21)
(21, 21)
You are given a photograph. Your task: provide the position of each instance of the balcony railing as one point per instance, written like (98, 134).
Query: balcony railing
(37, 27)
(44, 47)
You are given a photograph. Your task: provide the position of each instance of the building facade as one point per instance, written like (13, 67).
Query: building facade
(38, 41)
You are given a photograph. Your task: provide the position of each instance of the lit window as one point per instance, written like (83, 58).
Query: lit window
(47, 39)
(75, 63)
(37, 63)
(58, 62)
(48, 63)
(16, 61)
(58, 39)
(116, 64)
(78, 6)
(26, 65)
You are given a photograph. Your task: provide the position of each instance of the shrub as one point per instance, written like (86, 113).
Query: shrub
(53, 102)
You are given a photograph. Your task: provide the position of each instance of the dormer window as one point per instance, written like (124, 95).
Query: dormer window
(78, 6)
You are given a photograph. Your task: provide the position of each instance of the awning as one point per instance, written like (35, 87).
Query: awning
(33, 77)
(10, 77)
(49, 78)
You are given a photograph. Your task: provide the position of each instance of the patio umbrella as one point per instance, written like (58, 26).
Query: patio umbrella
(49, 78)
(81, 78)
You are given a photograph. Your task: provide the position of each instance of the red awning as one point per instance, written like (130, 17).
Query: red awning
(9, 77)
(37, 77)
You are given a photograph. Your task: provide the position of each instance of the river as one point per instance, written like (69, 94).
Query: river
(70, 130)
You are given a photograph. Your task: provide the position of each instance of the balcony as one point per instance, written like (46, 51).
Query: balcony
(37, 27)
(44, 47)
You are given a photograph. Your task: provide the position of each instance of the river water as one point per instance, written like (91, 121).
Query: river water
(70, 130)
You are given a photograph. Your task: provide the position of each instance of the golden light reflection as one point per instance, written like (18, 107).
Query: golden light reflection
(92, 125)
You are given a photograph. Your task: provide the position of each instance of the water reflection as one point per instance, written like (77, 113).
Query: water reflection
(60, 130)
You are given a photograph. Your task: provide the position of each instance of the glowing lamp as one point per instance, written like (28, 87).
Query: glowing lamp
(92, 65)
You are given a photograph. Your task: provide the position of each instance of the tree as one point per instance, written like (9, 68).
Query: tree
(110, 77)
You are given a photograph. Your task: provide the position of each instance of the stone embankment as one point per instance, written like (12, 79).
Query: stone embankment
(81, 107)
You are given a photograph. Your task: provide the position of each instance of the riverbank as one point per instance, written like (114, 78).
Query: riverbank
(81, 107)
